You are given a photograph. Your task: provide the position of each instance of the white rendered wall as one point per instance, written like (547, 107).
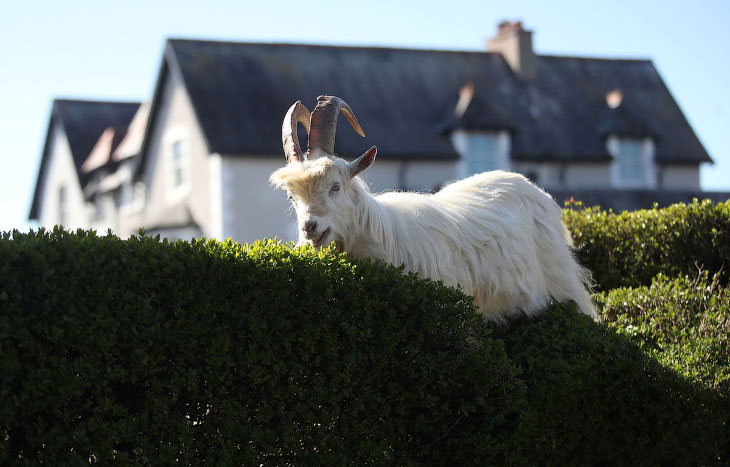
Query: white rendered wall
(587, 176)
(388, 175)
(175, 120)
(60, 171)
(680, 177)
(251, 208)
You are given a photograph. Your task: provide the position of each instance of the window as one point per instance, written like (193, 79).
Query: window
(482, 153)
(633, 162)
(630, 161)
(62, 205)
(178, 168)
(179, 165)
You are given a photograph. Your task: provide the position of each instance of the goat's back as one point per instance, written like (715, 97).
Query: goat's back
(497, 235)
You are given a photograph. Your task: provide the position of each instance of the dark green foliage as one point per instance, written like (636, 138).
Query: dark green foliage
(630, 248)
(683, 322)
(148, 352)
(594, 398)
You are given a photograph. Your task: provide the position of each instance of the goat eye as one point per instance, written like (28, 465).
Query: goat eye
(335, 187)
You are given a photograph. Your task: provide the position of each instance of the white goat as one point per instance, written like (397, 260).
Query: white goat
(495, 234)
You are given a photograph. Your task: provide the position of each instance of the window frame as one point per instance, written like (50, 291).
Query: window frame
(469, 145)
(632, 155)
(177, 163)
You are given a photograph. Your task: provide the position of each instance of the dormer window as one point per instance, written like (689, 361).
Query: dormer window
(482, 154)
(481, 151)
(633, 162)
(630, 161)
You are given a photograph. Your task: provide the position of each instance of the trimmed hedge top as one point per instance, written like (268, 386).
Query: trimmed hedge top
(630, 248)
(141, 351)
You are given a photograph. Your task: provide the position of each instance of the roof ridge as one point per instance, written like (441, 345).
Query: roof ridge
(597, 59)
(173, 40)
(388, 48)
(92, 101)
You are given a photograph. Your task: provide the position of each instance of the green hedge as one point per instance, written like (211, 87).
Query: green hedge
(630, 248)
(595, 398)
(151, 352)
(683, 322)
(211, 353)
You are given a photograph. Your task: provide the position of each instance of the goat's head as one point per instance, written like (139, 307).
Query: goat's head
(323, 189)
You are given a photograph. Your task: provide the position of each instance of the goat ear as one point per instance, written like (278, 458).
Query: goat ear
(362, 162)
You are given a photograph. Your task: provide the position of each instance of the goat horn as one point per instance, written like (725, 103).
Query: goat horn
(297, 113)
(324, 123)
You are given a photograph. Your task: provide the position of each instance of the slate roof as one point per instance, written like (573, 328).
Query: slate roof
(84, 122)
(101, 155)
(405, 100)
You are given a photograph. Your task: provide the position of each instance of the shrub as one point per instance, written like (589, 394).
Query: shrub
(146, 352)
(150, 352)
(594, 398)
(682, 322)
(630, 248)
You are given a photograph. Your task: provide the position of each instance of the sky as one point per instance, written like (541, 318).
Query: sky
(112, 50)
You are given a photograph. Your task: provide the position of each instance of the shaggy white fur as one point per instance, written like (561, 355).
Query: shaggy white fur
(495, 234)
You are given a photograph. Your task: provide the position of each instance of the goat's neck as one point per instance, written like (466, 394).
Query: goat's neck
(370, 235)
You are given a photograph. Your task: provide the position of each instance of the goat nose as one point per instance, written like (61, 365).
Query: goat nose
(310, 226)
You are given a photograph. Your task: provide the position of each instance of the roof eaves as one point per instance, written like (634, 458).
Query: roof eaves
(176, 69)
(33, 215)
(154, 105)
(705, 156)
(169, 65)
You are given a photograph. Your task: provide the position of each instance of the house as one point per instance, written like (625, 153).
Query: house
(73, 131)
(196, 159)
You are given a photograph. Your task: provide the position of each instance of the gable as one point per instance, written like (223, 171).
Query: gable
(82, 122)
(172, 120)
(60, 175)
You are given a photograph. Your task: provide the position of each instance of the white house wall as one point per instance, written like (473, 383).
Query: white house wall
(105, 213)
(60, 171)
(587, 176)
(562, 176)
(385, 175)
(251, 208)
(680, 177)
(176, 119)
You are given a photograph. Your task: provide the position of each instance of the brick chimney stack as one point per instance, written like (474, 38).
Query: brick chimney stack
(515, 45)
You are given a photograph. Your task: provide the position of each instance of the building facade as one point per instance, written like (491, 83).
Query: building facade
(195, 160)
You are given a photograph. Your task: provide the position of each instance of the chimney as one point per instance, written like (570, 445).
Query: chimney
(515, 45)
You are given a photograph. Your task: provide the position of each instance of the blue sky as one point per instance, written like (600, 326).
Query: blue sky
(111, 50)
